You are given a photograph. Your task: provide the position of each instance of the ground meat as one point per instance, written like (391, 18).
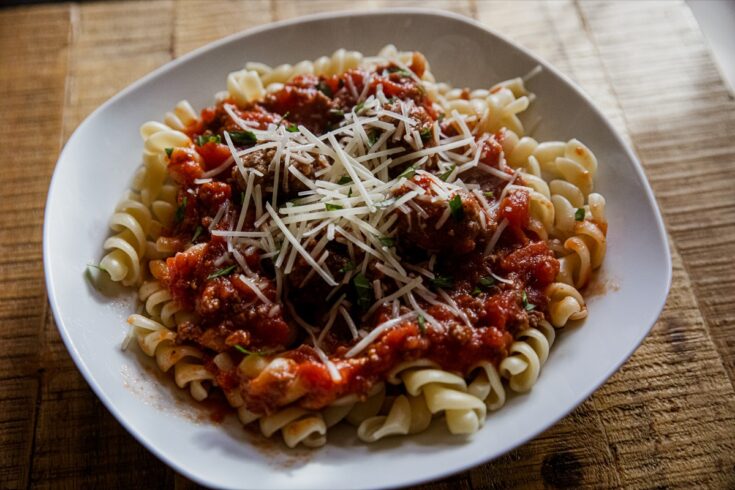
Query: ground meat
(460, 233)
(289, 185)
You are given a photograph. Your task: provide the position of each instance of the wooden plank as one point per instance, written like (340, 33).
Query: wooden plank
(198, 22)
(78, 443)
(33, 54)
(682, 118)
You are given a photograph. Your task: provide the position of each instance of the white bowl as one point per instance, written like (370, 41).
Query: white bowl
(97, 166)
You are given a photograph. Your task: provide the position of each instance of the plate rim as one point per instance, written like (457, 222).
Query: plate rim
(429, 475)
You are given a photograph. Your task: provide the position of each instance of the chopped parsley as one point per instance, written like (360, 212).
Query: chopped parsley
(579, 214)
(197, 232)
(253, 352)
(202, 140)
(324, 88)
(283, 118)
(345, 179)
(426, 134)
(409, 172)
(489, 194)
(181, 210)
(292, 128)
(372, 137)
(243, 137)
(332, 207)
(449, 172)
(455, 206)
(476, 292)
(526, 305)
(387, 241)
(441, 117)
(337, 112)
(440, 281)
(349, 266)
(169, 151)
(349, 194)
(422, 324)
(221, 272)
(359, 107)
(364, 291)
(486, 281)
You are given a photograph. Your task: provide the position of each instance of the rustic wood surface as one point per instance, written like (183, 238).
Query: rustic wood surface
(667, 419)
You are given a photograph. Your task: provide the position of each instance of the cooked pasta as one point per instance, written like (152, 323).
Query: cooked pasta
(348, 241)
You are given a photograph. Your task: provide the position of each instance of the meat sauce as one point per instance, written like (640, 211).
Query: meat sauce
(231, 317)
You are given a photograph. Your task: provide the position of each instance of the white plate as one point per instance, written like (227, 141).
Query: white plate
(97, 165)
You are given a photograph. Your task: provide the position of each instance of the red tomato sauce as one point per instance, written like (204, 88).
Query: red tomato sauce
(229, 315)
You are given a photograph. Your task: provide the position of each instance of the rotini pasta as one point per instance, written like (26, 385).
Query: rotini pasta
(347, 240)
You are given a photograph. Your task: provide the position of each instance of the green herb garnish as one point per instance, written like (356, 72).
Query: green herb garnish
(332, 207)
(169, 151)
(181, 210)
(440, 281)
(292, 128)
(441, 117)
(364, 291)
(422, 324)
(197, 232)
(221, 272)
(251, 352)
(455, 205)
(283, 118)
(372, 137)
(337, 112)
(426, 134)
(359, 107)
(387, 241)
(579, 214)
(409, 172)
(243, 137)
(349, 193)
(449, 172)
(476, 292)
(212, 138)
(324, 88)
(349, 266)
(526, 305)
(345, 179)
(489, 194)
(486, 281)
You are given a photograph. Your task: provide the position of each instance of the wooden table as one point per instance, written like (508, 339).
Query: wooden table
(667, 419)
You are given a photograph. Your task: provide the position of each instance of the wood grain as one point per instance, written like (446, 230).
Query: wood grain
(667, 419)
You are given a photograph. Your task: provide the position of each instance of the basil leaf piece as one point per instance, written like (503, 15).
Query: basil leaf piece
(181, 210)
(387, 241)
(526, 305)
(441, 281)
(221, 272)
(364, 291)
(243, 137)
(446, 174)
(197, 232)
(422, 324)
(455, 206)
